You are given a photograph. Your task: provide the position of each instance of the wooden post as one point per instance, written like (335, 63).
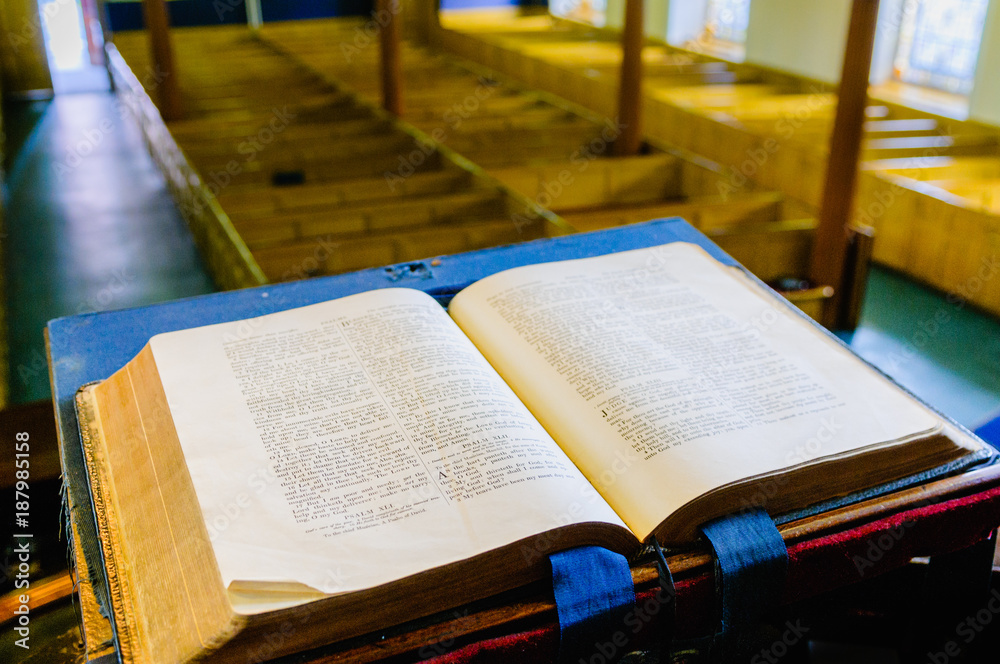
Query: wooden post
(388, 18)
(433, 19)
(154, 14)
(422, 19)
(630, 84)
(833, 236)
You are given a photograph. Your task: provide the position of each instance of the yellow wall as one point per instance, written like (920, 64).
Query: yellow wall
(23, 62)
(804, 38)
(985, 102)
(654, 13)
(808, 38)
(615, 13)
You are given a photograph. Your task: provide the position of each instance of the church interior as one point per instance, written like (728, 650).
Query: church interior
(847, 153)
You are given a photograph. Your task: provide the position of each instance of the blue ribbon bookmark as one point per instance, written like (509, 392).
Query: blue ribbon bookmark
(751, 561)
(594, 593)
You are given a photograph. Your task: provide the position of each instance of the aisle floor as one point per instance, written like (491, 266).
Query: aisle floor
(91, 225)
(939, 349)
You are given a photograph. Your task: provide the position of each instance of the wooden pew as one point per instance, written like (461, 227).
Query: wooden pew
(772, 250)
(279, 146)
(335, 221)
(927, 221)
(332, 254)
(262, 200)
(273, 168)
(937, 219)
(490, 122)
(939, 168)
(589, 188)
(968, 145)
(985, 192)
(201, 130)
(339, 174)
(368, 217)
(901, 128)
(703, 212)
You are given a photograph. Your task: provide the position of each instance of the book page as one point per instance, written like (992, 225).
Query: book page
(351, 443)
(665, 374)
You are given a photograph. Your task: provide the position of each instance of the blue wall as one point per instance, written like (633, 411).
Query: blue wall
(470, 4)
(128, 15)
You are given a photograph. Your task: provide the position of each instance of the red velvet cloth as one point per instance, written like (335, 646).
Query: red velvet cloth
(814, 566)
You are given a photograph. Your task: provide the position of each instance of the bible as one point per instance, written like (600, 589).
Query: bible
(282, 475)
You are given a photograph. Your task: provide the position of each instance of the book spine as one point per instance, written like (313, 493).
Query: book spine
(122, 623)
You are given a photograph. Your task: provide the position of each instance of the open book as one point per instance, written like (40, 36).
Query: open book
(285, 475)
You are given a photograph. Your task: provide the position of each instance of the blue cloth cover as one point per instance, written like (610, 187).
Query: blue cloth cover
(990, 432)
(751, 561)
(594, 593)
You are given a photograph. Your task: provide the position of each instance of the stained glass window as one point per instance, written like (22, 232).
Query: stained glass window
(939, 43)
(585, 11)
(727, 20)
